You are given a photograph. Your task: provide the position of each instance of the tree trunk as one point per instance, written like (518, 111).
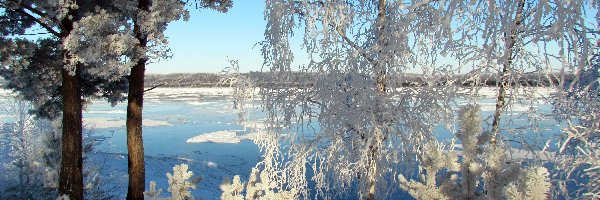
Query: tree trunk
(509, 46)
(380, 74)
(71, 168)
(492, 186)
(135, 102)
(380, 69)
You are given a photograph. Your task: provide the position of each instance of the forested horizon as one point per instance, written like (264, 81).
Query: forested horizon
(203, 79)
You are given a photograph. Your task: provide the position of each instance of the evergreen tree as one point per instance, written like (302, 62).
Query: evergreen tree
(50, 72)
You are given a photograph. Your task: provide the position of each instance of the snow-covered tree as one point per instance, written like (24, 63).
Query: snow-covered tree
(30, 170)
(150, 20)
(35, 74)
(60, 19)
(527, 45)
(33, 148)
(370, 119)
(577, 104)
(520, 43)
(372, 112)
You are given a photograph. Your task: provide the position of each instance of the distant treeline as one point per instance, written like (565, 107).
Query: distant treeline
(299, 79)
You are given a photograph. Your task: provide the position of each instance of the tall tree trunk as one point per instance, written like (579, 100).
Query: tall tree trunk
(380, 73)
(492, 186)
(380, 68)
(135, 103)
(71, 168)
(509, 49)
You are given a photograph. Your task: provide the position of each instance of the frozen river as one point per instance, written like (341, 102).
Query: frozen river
(172, 116)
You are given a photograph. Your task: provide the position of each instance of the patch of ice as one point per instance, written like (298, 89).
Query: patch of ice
(105, 112)
(513, 108)
(149, 122)
(216, 137)
(216, 91)
(105, 122)
(211, 164)
(198, 103)
(228, 137)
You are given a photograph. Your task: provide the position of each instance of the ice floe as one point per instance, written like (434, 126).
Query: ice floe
(105, 122)
(230, 137)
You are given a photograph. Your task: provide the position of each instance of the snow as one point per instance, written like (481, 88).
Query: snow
(178, 92)
(104, 112)
(230, 137)
(198, 103)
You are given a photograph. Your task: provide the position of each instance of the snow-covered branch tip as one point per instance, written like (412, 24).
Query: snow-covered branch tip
(180, 183)
(258, 187)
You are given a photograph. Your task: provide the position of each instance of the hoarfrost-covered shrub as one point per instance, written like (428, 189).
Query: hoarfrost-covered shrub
(180, 183)
(153, 193)
(531, 184)
(258, 187)
(33, 151)
(232, 190)
(482, 171)
(30, 171)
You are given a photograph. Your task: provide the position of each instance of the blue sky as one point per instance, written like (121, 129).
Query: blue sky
(210, 39)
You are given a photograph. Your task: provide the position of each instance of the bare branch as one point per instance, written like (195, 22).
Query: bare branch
(39, 22)
(154, 87)
(362, 51)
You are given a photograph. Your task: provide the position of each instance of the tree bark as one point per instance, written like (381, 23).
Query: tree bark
(380, 69)
(380, 74)
(71, 168)
(509, 46)
(135, 102)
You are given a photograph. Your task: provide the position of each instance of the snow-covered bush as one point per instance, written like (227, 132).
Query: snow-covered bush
(258, 187)
(180, 183)
(33, 155)
(481, 172)
(31, 170)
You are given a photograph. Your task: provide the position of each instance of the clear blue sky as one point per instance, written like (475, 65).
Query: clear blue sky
(209, 39)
